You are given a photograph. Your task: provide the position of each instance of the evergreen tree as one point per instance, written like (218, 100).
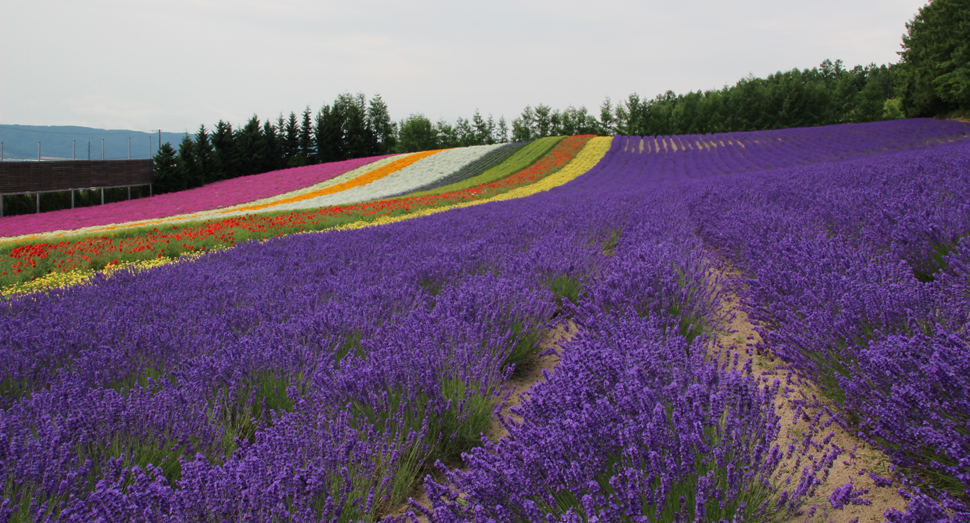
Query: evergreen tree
(523, 127)
(203, 158)
(252, 148)
(484, 130)
(291, 139)
(330, 134)
(464, 134)
(445, 135)
(381, 126)
(502, 131)
(225, 159)
(934, 70)
(165, 171)
(274, 150)
(186, 166)
(607, 123)
(307, 147)
(357, 140)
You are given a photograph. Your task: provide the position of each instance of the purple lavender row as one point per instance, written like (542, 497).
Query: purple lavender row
(858, 273)
(588, 448)
(699, 156)
(638, 422)
(305, 378)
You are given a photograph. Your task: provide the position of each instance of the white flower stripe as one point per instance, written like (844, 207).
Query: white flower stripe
(416, 175)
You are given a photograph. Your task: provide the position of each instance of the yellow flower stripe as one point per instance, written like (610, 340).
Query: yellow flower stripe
(62, 280)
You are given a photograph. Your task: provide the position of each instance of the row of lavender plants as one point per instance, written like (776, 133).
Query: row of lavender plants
(699, 156)
(858, 273)
(641, 421)
(305, 378)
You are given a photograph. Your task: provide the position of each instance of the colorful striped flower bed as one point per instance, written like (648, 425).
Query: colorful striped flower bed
(213, 196)
(33, 261)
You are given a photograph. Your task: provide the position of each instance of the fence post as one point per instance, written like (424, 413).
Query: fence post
(102, 196)
(72, 198)
(129, 192)
(38, 203)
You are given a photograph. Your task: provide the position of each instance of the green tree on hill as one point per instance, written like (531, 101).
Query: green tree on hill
(203, 159)
(290, 131)
(165, 171)
(934, 70)
(186, 166)
(381, 125)
(225, 158)
(417, 134)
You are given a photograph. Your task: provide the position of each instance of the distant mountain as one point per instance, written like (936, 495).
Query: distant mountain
(65, 141)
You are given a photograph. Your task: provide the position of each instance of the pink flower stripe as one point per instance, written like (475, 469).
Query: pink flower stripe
(213, 196)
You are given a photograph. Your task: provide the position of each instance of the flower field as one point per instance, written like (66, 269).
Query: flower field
(326, 377)
(213, 196)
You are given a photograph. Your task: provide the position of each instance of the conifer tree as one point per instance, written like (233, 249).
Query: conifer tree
(291, 138)
(186, 166)
(165, 171)
(203, 158)
(225, 158)
(274, 152)
(380, 125)
(307, 148)
(330, 134)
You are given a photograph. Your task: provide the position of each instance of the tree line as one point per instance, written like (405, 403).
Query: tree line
(931, 78)
(354, 127)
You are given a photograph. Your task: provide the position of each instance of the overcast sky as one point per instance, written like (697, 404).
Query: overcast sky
(173, 65)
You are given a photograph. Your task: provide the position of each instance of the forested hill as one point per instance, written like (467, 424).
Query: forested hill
(58, 141)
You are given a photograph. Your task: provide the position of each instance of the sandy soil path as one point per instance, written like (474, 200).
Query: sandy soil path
(522, 380)
(858, 460)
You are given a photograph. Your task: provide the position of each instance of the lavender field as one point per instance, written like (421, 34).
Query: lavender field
(325, 377)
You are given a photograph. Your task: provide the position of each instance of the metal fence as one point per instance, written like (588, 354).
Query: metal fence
(28, 177)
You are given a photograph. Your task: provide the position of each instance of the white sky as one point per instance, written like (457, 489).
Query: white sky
(145, 65)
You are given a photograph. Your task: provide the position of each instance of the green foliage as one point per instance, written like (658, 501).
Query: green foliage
(187, 167)
(518, 161)
(416, 133)
(934, 71)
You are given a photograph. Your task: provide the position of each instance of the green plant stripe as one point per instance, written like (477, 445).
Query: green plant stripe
(522, 158)
(491, 159)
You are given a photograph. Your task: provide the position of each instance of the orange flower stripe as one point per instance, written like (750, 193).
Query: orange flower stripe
(372, 176)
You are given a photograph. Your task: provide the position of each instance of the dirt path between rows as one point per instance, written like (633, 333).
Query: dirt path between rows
(859, 458)
(520, 383)
(738, 334)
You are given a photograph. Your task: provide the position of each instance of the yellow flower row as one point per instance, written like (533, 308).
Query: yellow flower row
(61, 280)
